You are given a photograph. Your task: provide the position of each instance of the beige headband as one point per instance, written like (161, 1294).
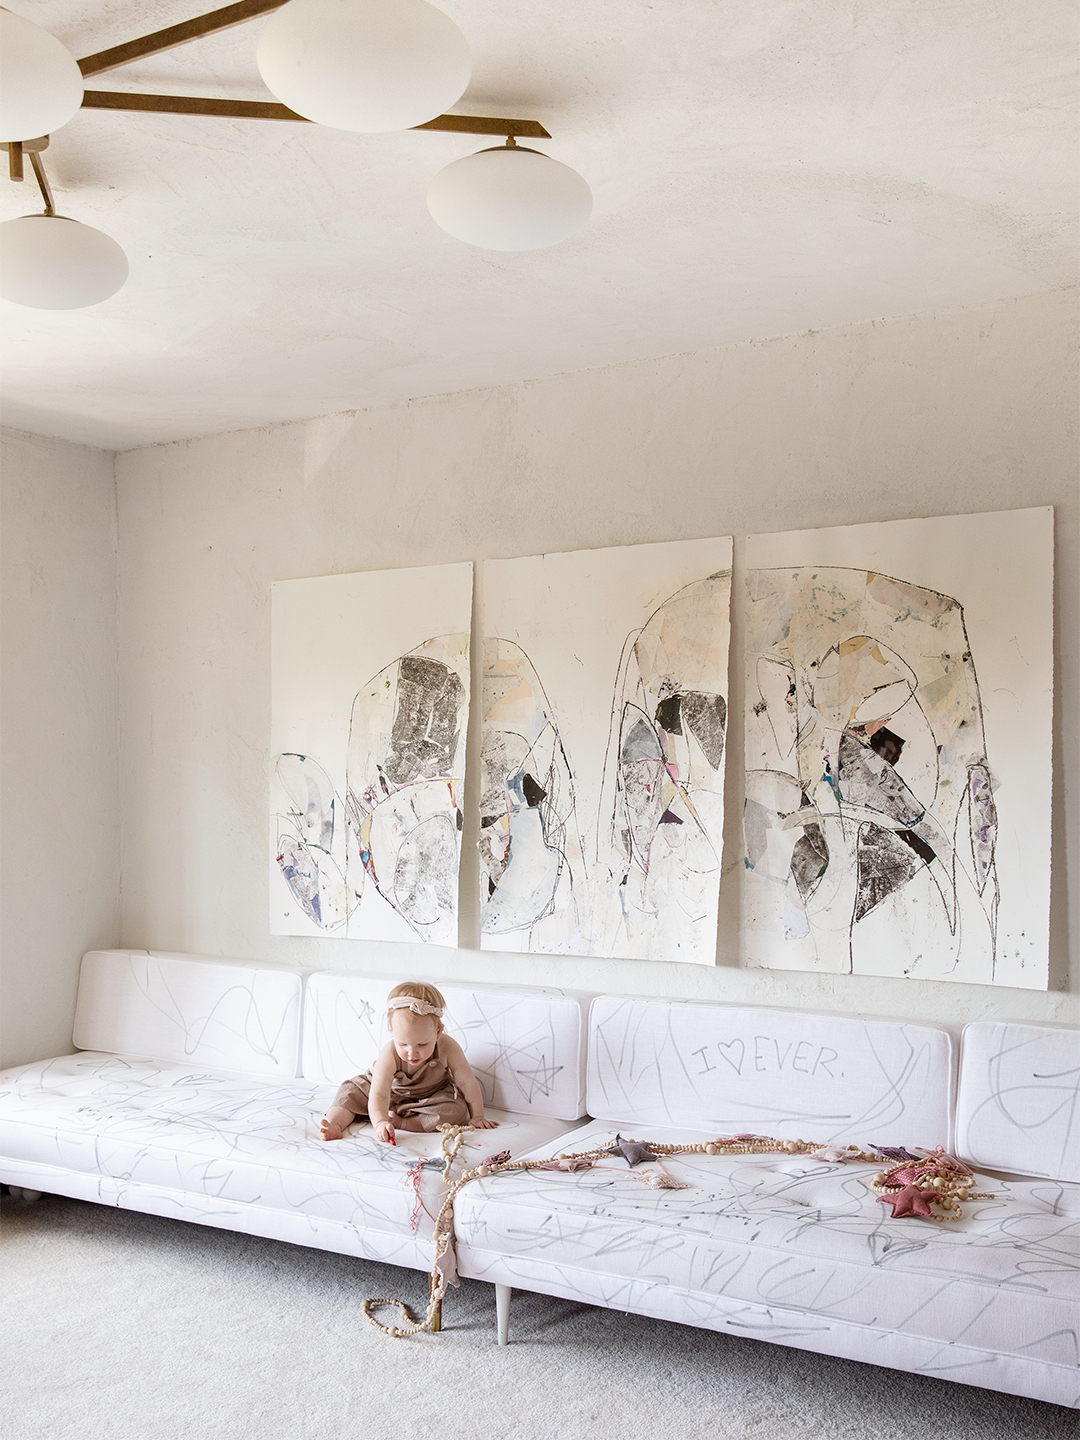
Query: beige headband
(410, 1002)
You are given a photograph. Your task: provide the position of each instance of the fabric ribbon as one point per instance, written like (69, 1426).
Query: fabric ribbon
(418, 1007)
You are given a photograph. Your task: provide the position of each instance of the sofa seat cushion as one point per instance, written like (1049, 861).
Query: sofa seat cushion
(792, 1234)
(169, 1126)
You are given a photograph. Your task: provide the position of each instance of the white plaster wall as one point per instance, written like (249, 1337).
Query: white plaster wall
(966, 410)
(59, 825)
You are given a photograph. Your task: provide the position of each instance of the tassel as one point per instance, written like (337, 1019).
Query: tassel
(664, 1181)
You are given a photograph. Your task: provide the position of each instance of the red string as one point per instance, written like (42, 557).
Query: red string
(414, 1176)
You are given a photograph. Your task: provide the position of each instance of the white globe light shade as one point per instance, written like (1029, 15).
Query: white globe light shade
(369, 65)
(41, 86)
(53, 263)
(509, 198)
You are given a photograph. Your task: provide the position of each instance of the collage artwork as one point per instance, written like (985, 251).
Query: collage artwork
(896, 706)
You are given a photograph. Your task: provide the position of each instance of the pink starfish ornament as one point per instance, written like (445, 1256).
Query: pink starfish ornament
(908, 1201)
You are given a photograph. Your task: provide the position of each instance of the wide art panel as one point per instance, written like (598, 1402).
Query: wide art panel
(899, 694)
(602, 753)
(369, 716)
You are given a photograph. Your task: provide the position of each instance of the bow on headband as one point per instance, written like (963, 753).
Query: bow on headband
(418, 1007)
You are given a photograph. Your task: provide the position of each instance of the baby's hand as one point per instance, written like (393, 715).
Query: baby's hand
(385, 1131)
(483, 1123)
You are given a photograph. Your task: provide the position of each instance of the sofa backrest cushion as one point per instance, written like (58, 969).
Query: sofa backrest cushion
(1018, 1106)
(526, 1046)
(789, 1074)
(224, 1015)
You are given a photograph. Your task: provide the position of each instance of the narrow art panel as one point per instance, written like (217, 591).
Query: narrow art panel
(899, 691)
(369, 717)
(602, 753)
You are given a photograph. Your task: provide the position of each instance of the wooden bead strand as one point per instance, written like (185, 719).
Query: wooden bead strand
(943, 1181)
(938, 1181)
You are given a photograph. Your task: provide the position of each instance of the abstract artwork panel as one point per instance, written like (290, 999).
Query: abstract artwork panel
(370, 711)
(899, 689)
(602, 751)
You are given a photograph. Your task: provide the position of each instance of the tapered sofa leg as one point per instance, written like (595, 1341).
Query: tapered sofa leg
(502, 1312)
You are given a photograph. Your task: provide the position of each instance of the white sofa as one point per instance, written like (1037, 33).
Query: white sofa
(796, 1250)
(200, 1083)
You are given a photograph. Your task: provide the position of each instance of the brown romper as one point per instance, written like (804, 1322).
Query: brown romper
(429, 1094)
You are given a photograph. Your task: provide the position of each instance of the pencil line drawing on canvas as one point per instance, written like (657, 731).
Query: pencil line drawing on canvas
(663, 799)
(870, 822)
(397, 828)
(531, 858)
(405, 773)
(633, 870)
(374, 852)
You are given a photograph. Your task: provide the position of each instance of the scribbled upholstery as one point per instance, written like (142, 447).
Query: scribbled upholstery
(786, 1073)
(789, 1249)
(1018, 1107)
(205, 1118)
(192, 1121)
(233, 1016)
(526, 1046)
(244, 1155)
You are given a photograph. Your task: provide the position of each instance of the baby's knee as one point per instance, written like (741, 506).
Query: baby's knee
(352, 1097)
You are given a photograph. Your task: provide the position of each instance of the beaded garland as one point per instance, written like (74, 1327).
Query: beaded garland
(918, 1182)
(911, 1186)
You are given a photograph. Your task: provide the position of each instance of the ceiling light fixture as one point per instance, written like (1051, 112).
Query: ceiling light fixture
(40, 83)
(360, 65)
(51, 262)
(509, 198)
(367, 65)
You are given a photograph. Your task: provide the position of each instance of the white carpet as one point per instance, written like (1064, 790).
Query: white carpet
(120, 1326)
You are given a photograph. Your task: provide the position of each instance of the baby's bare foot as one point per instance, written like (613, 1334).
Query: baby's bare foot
(328, 1130)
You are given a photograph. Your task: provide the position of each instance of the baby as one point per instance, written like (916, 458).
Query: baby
(421, 1079)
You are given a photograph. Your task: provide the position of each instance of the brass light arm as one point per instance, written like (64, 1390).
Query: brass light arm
(175, 35)
(43, 182)
(266, 110)
(486, 125)
(188, 105)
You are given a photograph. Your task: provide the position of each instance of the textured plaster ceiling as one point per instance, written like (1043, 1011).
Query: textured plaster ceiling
(758, 169)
